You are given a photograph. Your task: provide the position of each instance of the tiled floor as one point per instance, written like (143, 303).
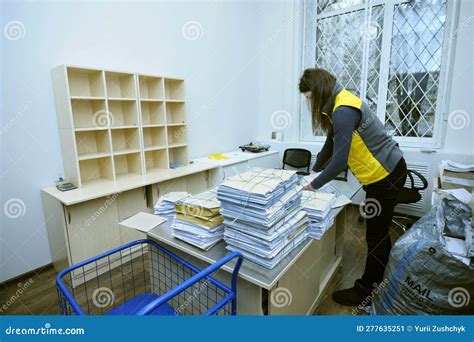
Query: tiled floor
(35, 294)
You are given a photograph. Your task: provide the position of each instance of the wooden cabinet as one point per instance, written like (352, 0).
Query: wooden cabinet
(81, 229)
(92, 227)
(172, 185)
(129, 203)
(295, 291)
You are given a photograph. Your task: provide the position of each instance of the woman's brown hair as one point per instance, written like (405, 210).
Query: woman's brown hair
(320, 83)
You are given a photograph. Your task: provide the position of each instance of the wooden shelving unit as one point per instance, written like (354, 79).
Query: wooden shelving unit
(153, 113)
(175, 113)
(178, 154)
(151, 88)
(93, 143)
(124, 113)
(114, 124)
(174, 89)
(154, 138)
(85, 83)
(96, 169)
(156, 160)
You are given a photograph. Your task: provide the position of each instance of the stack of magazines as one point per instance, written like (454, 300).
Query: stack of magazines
(262, 216)
(198, 220)
(165, 206)
(318, 207)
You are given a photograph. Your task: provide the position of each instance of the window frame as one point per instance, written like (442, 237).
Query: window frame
(308, 58)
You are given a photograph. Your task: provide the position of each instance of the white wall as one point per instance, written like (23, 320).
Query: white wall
(219, 68)
(461, 99)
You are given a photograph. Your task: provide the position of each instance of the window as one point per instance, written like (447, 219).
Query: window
(388, 52)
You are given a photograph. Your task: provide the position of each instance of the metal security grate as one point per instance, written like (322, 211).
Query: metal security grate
(343, 41)
(332, 5)
(338, 48)
(415, 64)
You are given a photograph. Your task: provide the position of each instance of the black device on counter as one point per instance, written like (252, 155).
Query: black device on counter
(254, 147)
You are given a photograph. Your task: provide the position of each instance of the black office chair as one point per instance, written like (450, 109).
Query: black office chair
(409, 195)
(297, 158)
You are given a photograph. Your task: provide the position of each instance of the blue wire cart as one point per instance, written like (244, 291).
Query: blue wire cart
(143, 278)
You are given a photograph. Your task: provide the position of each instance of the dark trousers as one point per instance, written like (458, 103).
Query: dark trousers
(381, 198)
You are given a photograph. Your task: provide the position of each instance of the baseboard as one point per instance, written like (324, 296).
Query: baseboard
(28, 274)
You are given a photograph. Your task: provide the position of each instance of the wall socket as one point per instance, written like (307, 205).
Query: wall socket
(277, 135)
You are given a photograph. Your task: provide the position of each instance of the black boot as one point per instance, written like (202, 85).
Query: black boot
(356, 295)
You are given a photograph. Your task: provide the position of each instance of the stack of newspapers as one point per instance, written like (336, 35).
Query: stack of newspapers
(318, 207)
(165, 206)
(198, 220)
(262, 216)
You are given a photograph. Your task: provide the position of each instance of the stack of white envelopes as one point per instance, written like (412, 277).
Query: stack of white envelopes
(318, 207)
(262, 216)
(165, 206)
(198, 220)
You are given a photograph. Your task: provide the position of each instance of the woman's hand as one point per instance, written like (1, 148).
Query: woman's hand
(308, 187)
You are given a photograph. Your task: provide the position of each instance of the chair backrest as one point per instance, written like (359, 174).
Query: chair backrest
(422, 178)
(412, 194)
(297, 158)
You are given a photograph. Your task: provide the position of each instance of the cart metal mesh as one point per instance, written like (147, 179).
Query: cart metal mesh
(142, 272)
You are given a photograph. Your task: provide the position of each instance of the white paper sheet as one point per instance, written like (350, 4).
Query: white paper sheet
(143, 221)
(456, 167)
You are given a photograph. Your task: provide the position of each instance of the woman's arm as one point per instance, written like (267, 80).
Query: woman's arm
(344, 122)
(324, 156)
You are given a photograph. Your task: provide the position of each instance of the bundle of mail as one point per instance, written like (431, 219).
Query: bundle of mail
(262, 216)
(318, 207)
(198, 221)
(165, 206)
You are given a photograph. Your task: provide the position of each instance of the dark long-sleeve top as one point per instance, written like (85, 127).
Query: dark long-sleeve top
(334, 155)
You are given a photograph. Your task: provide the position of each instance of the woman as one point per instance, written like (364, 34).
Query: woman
(356, 138)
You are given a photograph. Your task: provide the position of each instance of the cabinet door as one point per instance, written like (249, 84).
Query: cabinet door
(197, 182)
(128, 204)
(92, 227)
(172, 185)
(295, 292)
